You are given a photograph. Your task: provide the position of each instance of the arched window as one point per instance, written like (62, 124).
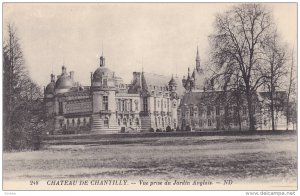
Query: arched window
(130, 121)
(84, 121)
(119, 121)
(78, 121)
(73, 122)
(137, 121)
(209, 122)
(125, 121)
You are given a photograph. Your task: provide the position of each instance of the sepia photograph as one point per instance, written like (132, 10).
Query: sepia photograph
(150, 96)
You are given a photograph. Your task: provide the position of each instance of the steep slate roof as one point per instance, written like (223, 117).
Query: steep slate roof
(162, 81)
(207, 98)
(156, 80)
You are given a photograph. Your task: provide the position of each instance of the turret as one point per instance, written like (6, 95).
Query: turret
(102, 61)
(63, 70)
(197, 61)
(52, 78)
(172, 84)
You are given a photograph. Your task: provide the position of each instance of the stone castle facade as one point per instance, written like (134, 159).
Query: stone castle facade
(150, 102)
(109, 105)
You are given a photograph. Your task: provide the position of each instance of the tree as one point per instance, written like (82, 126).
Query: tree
(291, 111)
(274, 70)
(237, 45)
(20, 96)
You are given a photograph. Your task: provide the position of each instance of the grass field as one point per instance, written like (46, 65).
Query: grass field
(247, 158)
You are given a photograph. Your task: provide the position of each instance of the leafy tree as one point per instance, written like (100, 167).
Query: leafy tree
(21, 120)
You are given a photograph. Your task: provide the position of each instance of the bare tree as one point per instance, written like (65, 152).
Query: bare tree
(291, 114)
(274, 70)
(237, 45)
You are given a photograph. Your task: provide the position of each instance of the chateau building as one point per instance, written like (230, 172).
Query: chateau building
(205, 108)
(150, 102)
(109, 105)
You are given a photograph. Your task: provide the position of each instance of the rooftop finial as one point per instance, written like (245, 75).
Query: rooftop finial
(197, 60)
(142, 66)
(102, 59)
(102, 49)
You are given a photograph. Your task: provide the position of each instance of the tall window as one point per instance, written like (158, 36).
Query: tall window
(105, 83)
(208, 110)
(130, 105)
(200, 111)
(105, 102)
(123, 105)
(105, 122)
(244, 110)
(137, 122)
(191, 112)
(60, 107)
(217, 110)
(145, 104)
(119, 105)
(209, 122)
(136, 105)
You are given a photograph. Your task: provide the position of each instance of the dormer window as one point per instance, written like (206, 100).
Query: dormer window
(105, 83)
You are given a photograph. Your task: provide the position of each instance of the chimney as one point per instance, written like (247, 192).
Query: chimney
(72, 75)
(137, 78)
(64, 70)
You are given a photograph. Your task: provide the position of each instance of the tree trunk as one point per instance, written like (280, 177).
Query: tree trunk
(272, 111)
(250, 113)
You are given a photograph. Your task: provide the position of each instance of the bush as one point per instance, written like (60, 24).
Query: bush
(187, 128)
(168, 129)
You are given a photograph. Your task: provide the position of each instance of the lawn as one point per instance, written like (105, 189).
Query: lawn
(244, 159)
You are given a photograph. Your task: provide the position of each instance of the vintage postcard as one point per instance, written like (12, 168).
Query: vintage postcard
(150, 96)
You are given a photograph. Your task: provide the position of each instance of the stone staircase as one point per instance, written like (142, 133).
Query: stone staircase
(98, 125)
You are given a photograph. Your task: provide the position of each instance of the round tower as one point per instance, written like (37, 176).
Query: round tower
(103, 99)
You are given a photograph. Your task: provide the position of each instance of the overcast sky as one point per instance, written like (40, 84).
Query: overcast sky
(161, 37)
